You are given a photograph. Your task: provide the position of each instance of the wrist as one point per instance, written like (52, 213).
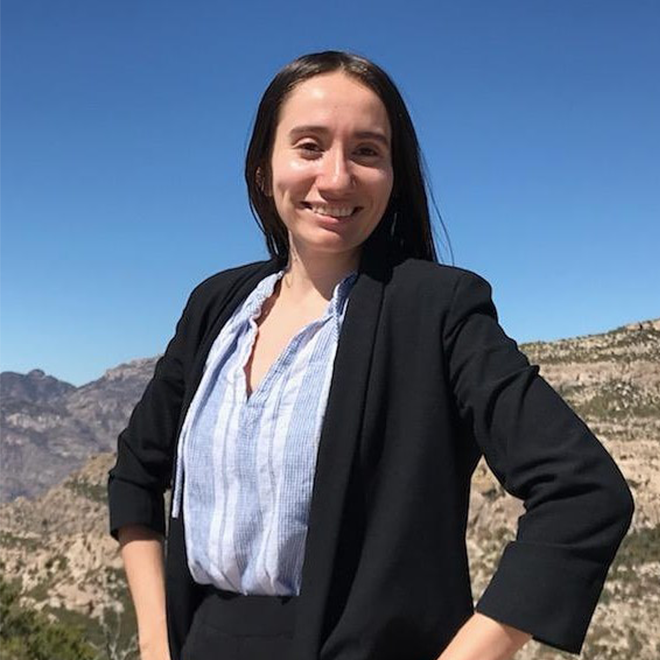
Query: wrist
(152, 634)
(483, 638)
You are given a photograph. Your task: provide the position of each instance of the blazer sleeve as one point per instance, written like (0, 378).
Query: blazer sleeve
(145, 448)
(578, 506)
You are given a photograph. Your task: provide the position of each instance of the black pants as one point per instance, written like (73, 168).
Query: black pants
(229, 626)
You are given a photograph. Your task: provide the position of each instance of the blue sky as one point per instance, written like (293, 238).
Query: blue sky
(125, 122)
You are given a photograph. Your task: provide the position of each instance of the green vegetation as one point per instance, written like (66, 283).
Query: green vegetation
(29, 635)
(623, 338)
(620, 345)
(9, 540)
(40, 590)
(639, 547)
(598, 646)
(620, 400)
(613, 399)
(94, 492)
(122, 625)
(57, 633)
(56, 563)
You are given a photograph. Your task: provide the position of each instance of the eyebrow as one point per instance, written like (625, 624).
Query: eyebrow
(361, 135)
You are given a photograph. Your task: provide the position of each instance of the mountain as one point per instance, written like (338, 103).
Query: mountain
(49, 428)
(57, 548)
(35, 386)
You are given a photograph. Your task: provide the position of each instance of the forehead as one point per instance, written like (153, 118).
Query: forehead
(334, 100)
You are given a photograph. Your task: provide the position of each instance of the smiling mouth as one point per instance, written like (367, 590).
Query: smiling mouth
(339, 212)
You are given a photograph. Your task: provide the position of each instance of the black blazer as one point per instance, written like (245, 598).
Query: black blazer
(425, 381)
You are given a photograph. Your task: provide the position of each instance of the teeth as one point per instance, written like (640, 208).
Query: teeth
(334, 211)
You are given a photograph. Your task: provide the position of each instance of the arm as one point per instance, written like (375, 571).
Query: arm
(142, 553)
(145, 448)
(136, 483)
(483, 638)
(578, 506)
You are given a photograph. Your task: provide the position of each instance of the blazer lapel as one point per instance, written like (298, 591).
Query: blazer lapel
(337, 447)
(183, 593)
(237, 293)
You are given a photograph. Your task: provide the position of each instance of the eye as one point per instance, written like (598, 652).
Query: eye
(308, 149)
(367, 151)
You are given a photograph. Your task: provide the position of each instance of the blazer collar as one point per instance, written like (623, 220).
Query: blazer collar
(237, 292)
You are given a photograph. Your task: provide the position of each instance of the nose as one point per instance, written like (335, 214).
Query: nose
(335, 176)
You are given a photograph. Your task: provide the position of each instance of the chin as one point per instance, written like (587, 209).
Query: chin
(327, 245)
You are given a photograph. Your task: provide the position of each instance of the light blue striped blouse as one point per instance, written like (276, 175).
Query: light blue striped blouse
(245, 466)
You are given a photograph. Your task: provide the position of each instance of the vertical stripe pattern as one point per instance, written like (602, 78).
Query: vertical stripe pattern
(245, 466)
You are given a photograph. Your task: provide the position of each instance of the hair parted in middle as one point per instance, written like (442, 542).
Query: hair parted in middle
(406, 225)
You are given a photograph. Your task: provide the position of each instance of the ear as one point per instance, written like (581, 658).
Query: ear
(262, 182)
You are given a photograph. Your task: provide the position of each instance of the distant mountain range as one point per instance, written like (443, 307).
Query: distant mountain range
(49, 428)
(56, 448)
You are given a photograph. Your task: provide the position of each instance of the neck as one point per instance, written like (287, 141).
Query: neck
(312, 276)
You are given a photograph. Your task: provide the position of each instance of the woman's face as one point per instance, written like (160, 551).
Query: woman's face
(331, 166)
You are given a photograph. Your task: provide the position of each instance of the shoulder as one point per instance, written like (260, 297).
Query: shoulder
(439, 281)
(223, 282)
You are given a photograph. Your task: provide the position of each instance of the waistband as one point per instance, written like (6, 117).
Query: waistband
(239, 614)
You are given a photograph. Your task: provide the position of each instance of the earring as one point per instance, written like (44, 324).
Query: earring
(261, 182)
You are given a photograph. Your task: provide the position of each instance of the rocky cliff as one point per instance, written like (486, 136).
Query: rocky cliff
(49, 428)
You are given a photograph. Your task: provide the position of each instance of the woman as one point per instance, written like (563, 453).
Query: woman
(320, 415)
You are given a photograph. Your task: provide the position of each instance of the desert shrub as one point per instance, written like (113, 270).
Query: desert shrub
(29, 635)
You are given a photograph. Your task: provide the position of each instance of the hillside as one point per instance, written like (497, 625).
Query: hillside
(49, 428)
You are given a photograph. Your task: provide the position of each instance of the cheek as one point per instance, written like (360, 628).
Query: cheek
(382, 188)
(290, 177)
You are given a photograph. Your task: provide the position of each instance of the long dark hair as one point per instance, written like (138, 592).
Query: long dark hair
(405, 228)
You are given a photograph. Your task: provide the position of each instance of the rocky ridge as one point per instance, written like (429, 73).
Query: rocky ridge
(49, 428)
